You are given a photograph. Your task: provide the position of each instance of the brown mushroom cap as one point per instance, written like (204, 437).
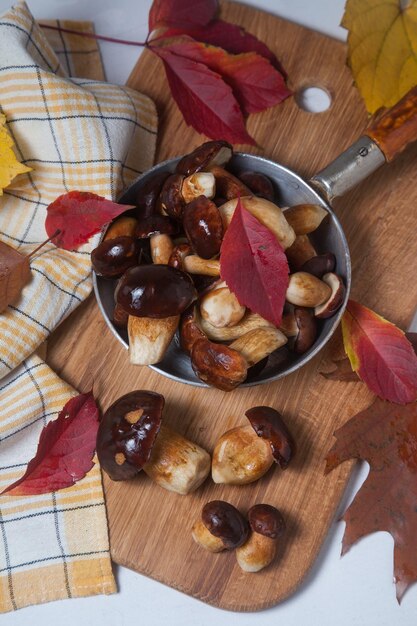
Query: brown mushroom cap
(178, 255)
(223, 520)
(218, 365)
(268, 424)
(209, 153)
(259, 184)
(170, 198)
(127, 433)
(156, 291)
(329, 308)
(266, 520)
(203, 226)
(190, 330)
(113, 257)
(155, 224)
(307, 329)
(320, 264)
(148, 194)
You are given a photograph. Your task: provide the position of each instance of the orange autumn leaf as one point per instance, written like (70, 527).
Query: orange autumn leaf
(384, 435)
(380, 354)
(14, 274)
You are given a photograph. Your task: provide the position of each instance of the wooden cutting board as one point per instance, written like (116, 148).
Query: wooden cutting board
(149, 527)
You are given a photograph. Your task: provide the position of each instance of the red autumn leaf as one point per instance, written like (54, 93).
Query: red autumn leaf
(380, 354)
(181, 13)
(255, 83)
(343, 371)
(231, 38)
(65, 450)
(385, 435)
(205, 100)
(79, 215)
(254, 265)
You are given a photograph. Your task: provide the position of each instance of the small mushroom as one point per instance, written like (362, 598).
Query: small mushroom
(194, 264)
(320, 264)
(190, 329)
(154, 296)
(267, 526)
(209, 153)
(244, 454)
(301, 251)
(113, 257)
(159, 229)
(335, 301)
(305, 218)
(259, 184)
(250, 321)
(203, 226)
(221, 308)
(170, 199)
(131, 438)
(148, 194)
(122, 227)
(268, 213)
(227, 185)
(221, 527)
(306, 330)
(198, 184)
(307, 290)
(226, 367)
(162, 248)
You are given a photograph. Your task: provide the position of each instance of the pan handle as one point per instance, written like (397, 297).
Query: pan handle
(383, 140)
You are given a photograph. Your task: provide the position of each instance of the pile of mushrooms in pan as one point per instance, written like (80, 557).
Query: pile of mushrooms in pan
(165, 254)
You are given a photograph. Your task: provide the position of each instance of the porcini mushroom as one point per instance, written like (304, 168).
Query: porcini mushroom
(267, 526)
(250, 321)
(159, 229)
(227, 185)
(154, 296)
(220, 307)
(259, 184)
(209, 153)
(305, 218)
(114, 256)
(194, 264)
(198, 184)
(226, 367)
(123, 226)
(300, 252)
(203, 226)
(335, 301)
(221, 527)
(307, 290)
(268, 213)
(244, 454)
(300, 325)
(148, 194)
(320, 264)
(171, 201)
(131, 438)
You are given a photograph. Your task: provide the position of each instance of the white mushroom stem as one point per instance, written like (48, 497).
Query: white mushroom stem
(268, 213)
(199, 184)
(306, 290)
(258, 552)
(204, 538)
(176, 463)
(249, 322)
(221, 308)
(240, 457)
(259, 343)
(149, 338)
(305, 218)
(161, 248)
(194, 264)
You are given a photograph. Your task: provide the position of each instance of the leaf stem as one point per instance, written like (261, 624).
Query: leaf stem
(71, 31)
(41, 245)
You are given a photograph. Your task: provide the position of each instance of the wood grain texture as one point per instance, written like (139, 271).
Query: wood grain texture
(150, 528)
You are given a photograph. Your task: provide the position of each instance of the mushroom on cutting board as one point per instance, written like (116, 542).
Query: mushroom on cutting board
(244, 454)
(131, 437)
(267, 526)
(221, 527)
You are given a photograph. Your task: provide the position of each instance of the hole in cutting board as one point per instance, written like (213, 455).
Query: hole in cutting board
(313, 99)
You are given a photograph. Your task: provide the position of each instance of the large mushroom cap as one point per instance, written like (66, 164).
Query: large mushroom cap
(112, 257)
(155, 224)
(156, 291)
(209, 153)
(266, 520)
(218, 365)
(268, 424)
(127, 433)
(223, 520)
(203, 226)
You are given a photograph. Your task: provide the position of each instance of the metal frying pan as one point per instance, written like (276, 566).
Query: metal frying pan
(381, 142)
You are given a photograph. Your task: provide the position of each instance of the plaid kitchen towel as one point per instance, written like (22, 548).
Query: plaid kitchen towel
(75, 133)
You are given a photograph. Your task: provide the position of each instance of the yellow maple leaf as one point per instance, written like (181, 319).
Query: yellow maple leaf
(9, 165)
(382, 49)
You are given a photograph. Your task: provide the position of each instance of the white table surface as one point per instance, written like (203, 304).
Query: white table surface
(355, 590)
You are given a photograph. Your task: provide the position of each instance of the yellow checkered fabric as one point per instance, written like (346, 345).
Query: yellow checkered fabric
(75, 133)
